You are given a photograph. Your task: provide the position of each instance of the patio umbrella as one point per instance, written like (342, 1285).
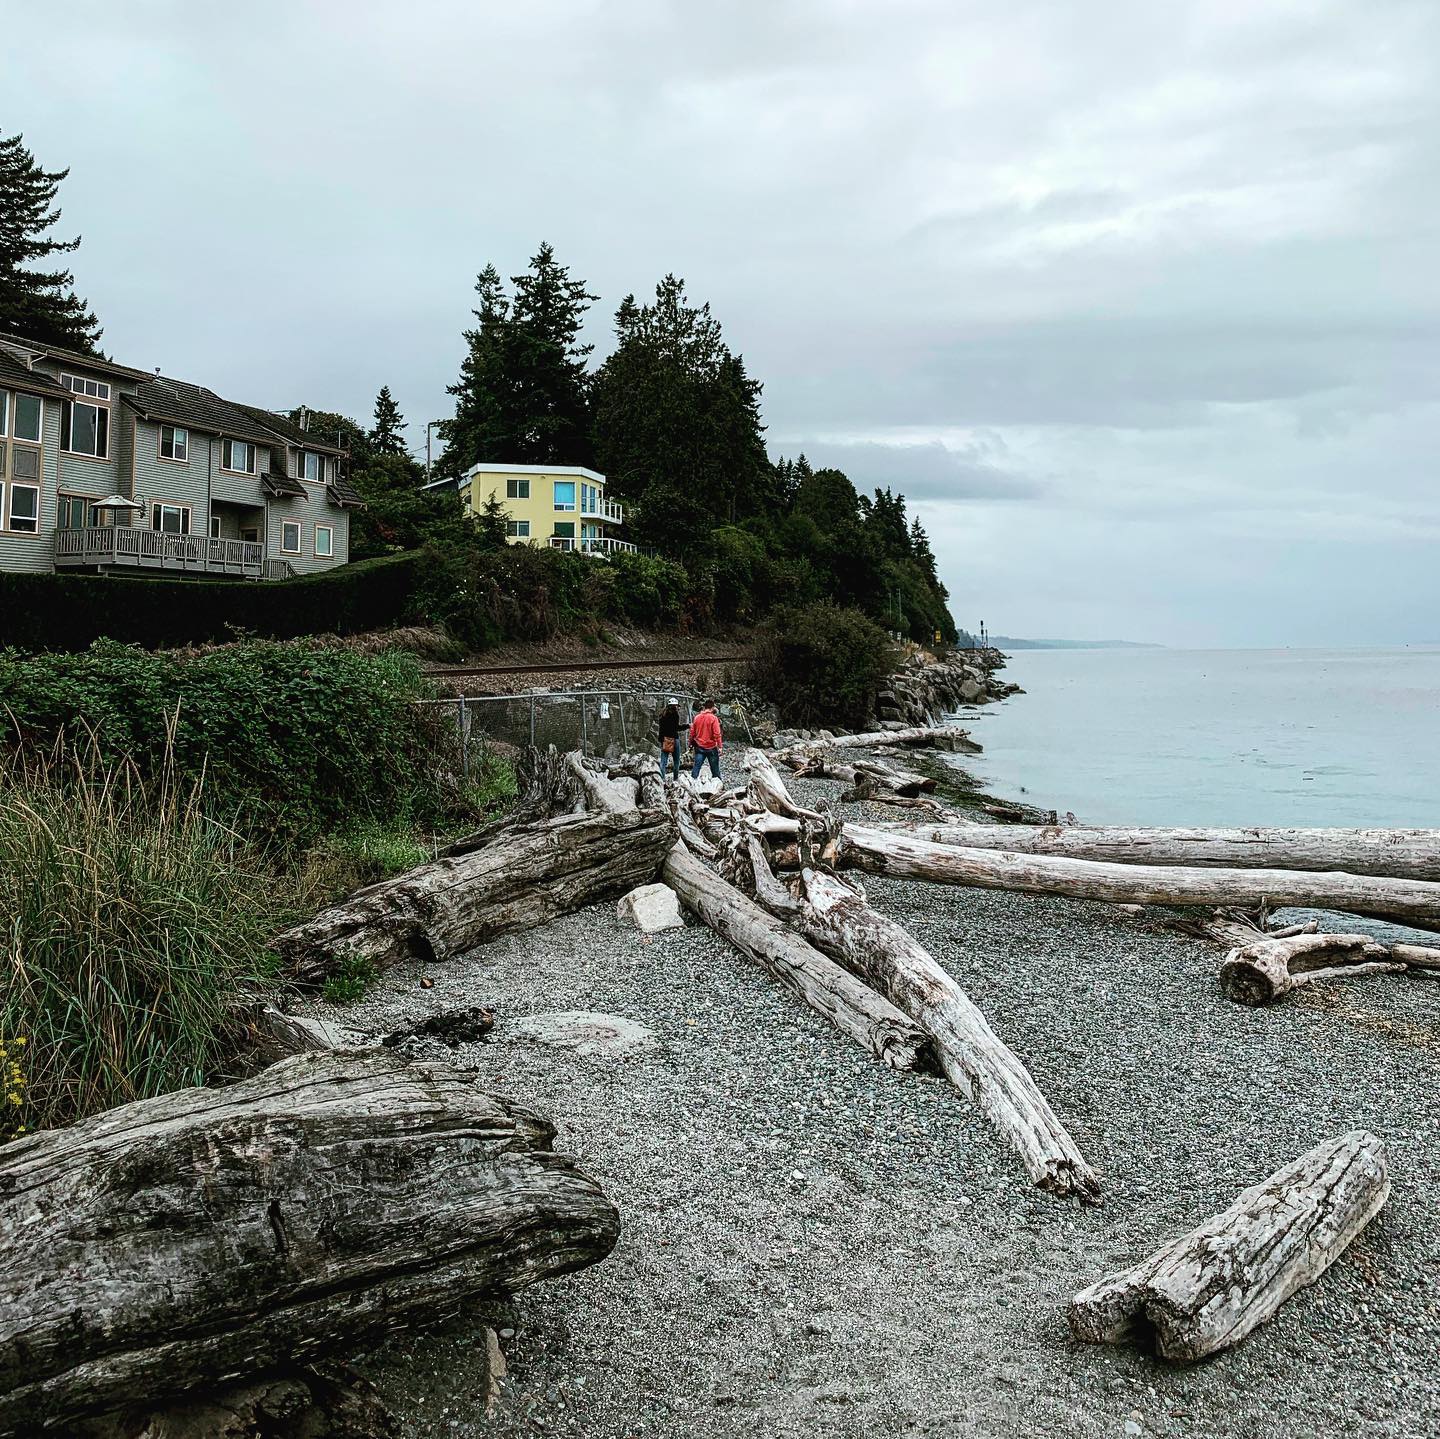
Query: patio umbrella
(117, 503)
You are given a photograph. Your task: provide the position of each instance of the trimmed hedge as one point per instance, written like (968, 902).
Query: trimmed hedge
(69, 612)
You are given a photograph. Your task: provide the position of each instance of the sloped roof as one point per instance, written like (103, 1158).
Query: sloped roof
(78, 358)
(291, 432)
(279, 483)
(182, 403)
(15, 375)
(344, 494)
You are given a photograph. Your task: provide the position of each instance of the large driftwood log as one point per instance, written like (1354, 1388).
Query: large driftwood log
(865, 774)
(521, 877)
(213, 1234)
(603, 794)
(852, 1007)
(1268, 969)
(940, 736)
(1396, 853)
(767, 791)
(835, 917)
(1211, 1287)
(892, 851)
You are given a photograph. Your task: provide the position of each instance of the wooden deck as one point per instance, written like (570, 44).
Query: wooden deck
(129, 547)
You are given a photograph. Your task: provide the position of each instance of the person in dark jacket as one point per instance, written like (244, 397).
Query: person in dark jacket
(670, 730)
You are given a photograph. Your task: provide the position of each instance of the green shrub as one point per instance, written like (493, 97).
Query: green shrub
(291, 738)
(132, 920)
(351, 980)
(821, 665)
(648, 592)
(69, 611)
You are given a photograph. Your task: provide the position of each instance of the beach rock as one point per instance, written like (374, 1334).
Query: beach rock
(972, 691)
(652, 908)
(584, 1031)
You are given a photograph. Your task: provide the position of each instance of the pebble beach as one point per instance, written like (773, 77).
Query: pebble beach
(815, 1245)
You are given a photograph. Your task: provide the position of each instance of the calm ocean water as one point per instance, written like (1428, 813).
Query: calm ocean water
(1219, 737)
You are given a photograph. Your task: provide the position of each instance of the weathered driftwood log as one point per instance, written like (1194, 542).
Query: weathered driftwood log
(1268, 969)
(890, 851)
(1396, 853)
(523, 876)
(1209, 1288)
(603, 795)
(213, 1234)
(767, 791)
(942, 736)
(864, 773)
(852, 1007)
(1418, 958)
(836, 919)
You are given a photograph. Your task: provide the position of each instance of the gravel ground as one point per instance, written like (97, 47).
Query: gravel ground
(814, 1245)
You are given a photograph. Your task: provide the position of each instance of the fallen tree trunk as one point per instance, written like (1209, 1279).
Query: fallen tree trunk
(852, 1007)
(767, 791)
(522, 876)
(1209, 1288)
(864, 774)
(1394, 853)
(603, 794)
(896, 852)
(1268, 969)
(838, 921)
(213, 1234)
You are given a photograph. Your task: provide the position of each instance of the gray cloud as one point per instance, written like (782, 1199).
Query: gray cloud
(1137, 301)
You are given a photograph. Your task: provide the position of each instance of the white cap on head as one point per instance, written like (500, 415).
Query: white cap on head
(672, 701)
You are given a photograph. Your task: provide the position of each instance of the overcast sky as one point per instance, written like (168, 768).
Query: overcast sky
(1137, 302)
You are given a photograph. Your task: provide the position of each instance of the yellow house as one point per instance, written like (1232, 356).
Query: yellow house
(562, 506)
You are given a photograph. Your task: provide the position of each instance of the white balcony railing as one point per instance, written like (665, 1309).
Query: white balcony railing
(593, 546)
(603, 509)
(150, 549)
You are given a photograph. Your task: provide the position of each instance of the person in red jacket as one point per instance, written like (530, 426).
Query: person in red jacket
(707, 740)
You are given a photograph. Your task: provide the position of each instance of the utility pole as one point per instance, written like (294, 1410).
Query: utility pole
(429, 425)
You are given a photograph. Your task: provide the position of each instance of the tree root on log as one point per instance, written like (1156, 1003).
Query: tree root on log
(185, 1241)
(1209, 1288)
(1268, 969)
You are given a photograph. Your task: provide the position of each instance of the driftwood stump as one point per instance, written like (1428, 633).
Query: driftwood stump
(1209, 1288)
(212, 1235)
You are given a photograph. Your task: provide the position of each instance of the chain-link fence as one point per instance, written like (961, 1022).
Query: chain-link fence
(600, 722)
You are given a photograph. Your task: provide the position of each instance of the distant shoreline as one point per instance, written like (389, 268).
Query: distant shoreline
(1010, 642)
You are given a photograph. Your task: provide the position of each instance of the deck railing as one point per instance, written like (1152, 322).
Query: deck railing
(151, 549)
(602, 509)
(593, 546)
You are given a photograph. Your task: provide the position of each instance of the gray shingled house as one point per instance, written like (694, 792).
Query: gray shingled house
(111, 469)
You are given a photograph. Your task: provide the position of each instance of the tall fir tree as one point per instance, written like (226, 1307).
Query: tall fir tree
(387, 427)
(677, 421)
(523, 392)
(37, 303)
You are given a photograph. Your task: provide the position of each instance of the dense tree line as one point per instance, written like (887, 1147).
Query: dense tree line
(672, 417)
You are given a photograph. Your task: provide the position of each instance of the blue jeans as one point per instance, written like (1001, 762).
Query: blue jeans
(701, 755)
(673, 758)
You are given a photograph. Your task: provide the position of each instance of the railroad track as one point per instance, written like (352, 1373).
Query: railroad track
(576, 666)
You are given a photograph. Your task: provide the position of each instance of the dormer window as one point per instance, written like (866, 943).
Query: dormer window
(312, 467)
(238, 456)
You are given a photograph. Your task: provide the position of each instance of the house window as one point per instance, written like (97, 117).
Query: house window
(25, 464)
(565, 529)
(250, 534)
(75, 513)
(170, 519)
(517, 489)
(290, 537)
(85, 429)
(27, 417)
(564, 494)
(239, 456)
(324, 542)
(518, 529)
(174, 443)
(215, 531)
(4, 412)
(95, 389)
(312, 467)
(25, 509)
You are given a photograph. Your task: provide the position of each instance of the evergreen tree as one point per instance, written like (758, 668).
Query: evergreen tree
(386, 431)
(38, 304)
(677, 422)
(522, 396)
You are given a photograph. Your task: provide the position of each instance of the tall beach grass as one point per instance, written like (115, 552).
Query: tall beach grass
(130, 921)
